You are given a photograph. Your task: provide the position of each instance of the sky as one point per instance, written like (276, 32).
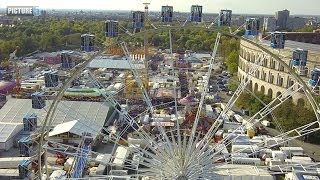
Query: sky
(306, 7)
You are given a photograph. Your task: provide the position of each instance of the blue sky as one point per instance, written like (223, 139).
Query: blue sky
(238, 6)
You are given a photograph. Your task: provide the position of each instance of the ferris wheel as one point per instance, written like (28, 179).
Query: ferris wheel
(150, 137)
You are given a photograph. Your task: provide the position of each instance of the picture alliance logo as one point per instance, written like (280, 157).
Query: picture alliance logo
(23, 11)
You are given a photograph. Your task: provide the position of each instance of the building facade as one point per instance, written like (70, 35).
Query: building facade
(282, 18)
(296, 23)
(272, 78)
(269, 24)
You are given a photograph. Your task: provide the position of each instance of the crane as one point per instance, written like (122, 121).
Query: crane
(17, 88)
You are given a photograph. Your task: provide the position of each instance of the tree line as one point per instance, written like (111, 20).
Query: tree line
(49, 35)
(288, 114)
(58, 34)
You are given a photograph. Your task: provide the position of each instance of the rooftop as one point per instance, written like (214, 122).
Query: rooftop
(109, 63)
(8, 130)
(15, 109)
(312, 48)
(76, 127)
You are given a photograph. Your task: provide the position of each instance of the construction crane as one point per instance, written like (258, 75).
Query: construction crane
(17, 89)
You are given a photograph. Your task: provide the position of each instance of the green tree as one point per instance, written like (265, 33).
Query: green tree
(306, 29)
(233, 83)
(189, 44)
(232, 61)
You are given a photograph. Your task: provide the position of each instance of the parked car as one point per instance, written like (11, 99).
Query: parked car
(224, 89)
(224, 73)
(225, 81)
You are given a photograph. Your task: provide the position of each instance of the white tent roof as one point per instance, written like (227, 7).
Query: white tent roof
(8, 130)
(76, 127)
(15, 109)
(114, 64)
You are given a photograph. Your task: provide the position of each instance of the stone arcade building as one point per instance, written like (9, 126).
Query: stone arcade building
(272, 78)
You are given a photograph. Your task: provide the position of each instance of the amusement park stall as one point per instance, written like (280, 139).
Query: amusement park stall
(6, 87)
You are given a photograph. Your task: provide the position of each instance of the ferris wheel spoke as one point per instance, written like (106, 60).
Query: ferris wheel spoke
(136, 76)
(253, 68)
(175, 96)
(108, 97)
(261, 114)
(49, 116)
(126, 31)
(266, 110)
(264, 104)
(185, 22)
(213, 22)
(145, 94)
(149, 21)
(237, 30)
(201, 171)
(63, 148)
(204, 90)
(194, 156)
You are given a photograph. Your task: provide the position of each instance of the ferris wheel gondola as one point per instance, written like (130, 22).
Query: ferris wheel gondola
(112, 28)
(315, 75)
(299, 57)
(252, 27)
(278, 40)
(138, 20)
(299, 61)
(225, 17)
(166, 13)
(87, 42)
(196, 13)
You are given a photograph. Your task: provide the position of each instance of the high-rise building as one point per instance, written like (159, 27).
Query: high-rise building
(296, 22)
(269, 24)
(282, 18)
